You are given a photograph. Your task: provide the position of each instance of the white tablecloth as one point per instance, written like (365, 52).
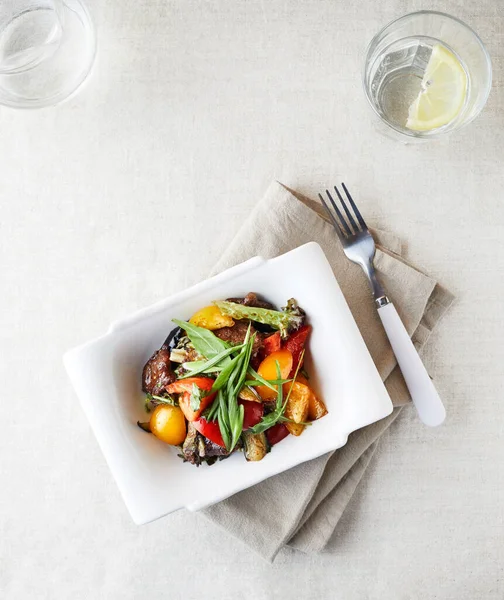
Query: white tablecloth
(131, 191)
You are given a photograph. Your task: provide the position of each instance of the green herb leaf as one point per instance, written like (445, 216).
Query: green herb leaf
(237, 427)
(204, 341)
(151, 401)
(284, 419)
(279, 401)
(247, 353)
(272, 382)
(278, 414)
(253, 373)
(197, 367)
(267, 421)
(274, 318)
(229, 383)
(207, 366)
(301, 357)
(223, 421)
(224, 375)
(197, 394)
(211, 412)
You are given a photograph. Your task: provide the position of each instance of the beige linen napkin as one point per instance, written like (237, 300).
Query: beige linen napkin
(305, 503)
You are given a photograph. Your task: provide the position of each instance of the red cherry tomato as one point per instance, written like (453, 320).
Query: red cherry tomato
(210, 429)
(253, 413)
(276, 433)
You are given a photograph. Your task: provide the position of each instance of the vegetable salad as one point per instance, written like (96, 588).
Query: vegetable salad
(231, 379)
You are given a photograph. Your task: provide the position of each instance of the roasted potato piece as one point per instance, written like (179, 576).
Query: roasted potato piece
(248, 393)
(316, 407)
(295, 428)
(298, 403)
(211, 318)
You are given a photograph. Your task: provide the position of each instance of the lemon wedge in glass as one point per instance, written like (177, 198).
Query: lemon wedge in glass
(444, 87)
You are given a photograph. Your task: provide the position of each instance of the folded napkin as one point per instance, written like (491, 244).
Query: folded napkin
(306, 502)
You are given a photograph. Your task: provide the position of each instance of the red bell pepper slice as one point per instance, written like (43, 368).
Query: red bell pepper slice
(276, 433)
(295, 343)
(253, 413)
(211, 430)
(185, 387)
(272, 343)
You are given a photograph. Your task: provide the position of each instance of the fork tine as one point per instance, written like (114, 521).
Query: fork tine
(355, 209)
(346, 229)
(348, 213)
(335, 223)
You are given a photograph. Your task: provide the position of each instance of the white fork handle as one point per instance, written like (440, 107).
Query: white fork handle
(423, 393)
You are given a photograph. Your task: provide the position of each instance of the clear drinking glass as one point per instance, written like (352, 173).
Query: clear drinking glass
(47, 48)
(397, 58)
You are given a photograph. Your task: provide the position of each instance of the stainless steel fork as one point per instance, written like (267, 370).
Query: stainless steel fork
(359, 247)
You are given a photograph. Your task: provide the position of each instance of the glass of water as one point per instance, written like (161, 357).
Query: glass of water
(427, 74)
(47, 48)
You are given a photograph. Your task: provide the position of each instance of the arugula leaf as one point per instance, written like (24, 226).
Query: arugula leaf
(276, 319)
(204, 341)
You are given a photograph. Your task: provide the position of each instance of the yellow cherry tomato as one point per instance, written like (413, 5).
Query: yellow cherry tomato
(168, 424)
(267, 369)
(211, 318)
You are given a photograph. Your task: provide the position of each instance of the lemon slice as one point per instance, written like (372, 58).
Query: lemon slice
(444, 87)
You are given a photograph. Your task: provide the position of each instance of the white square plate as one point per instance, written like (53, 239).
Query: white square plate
(106, 374)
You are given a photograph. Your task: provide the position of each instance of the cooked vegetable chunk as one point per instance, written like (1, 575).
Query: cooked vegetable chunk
(167, 423)
(211, 318)
(298, 403)
(256, 446)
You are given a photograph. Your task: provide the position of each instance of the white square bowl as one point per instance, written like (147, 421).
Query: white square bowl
(106, 374)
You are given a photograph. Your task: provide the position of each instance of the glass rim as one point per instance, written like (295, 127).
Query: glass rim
(440, 130)
(62, 96)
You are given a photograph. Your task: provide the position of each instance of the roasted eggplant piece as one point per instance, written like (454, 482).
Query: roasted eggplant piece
(173, 338)
(236, 334)
(157, 372)
(197, 449)
(255, 445)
